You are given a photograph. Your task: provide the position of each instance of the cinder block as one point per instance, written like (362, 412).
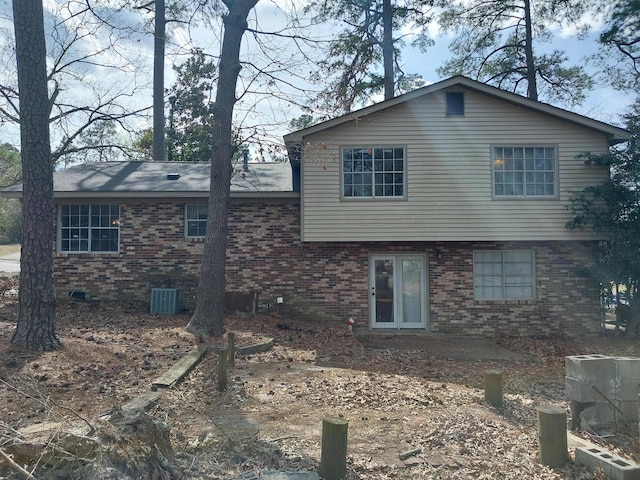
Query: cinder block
(614, 467)
(628, 368)
(590, 367)
(630, 411)
(627, 390)
(601, 414)
(582, 390)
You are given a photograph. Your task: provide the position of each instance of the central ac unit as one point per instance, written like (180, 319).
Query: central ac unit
(165, 300)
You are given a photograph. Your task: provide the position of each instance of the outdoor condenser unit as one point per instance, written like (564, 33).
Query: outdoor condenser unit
(165, 300)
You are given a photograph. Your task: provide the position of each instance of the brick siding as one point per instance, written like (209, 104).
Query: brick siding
(328, 281)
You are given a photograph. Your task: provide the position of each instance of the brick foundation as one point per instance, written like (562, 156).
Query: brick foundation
(329, 281)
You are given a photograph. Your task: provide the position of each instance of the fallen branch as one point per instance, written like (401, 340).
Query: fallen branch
(410, 453)
(16, 467)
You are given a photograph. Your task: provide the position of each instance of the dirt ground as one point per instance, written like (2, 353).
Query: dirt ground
(398, 392)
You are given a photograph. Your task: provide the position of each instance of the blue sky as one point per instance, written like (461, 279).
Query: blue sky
(604, 103)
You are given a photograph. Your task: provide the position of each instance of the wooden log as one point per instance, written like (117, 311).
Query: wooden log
(178, 371)
(409, 453)
(552, 436)
(493, 387)
(333, 458)
(222, 369)
(231, 340)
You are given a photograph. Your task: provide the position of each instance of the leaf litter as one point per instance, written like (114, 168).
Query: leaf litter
(396, 400)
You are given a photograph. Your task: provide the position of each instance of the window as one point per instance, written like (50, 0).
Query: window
(373, 172)
(455, 104)
(89, 228)
(524, 171)
(196, 221)
(503, 275)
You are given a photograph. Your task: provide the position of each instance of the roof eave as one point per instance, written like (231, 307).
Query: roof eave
(150, 195)
(614, 134)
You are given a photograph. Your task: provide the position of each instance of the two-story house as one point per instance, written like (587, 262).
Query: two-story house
(440, 210)
(446, 209)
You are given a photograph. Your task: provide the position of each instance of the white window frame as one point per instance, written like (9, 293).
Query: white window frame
(86, 228)
(193, 213)
(377, 180)
(504, 275)
(524, 172)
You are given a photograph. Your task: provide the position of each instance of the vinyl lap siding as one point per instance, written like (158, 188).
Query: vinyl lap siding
(449, 183)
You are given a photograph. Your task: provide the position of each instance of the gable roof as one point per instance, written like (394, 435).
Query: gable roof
(162, 179)
(614, 134)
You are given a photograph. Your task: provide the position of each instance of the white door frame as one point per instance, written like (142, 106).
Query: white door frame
(394, 302)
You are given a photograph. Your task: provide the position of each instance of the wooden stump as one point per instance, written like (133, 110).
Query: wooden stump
(552, 435)
(222, 369)
(333, 460)
(493, 387)
(231, 339)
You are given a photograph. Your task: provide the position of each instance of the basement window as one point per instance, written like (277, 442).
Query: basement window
(504, 274)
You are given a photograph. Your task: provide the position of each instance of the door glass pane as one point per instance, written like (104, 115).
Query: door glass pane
(411, 291)
(384, 290)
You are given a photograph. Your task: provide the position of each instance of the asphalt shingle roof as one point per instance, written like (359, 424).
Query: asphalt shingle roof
(169, 178)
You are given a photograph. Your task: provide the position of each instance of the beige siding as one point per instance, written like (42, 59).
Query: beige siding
(449, 187)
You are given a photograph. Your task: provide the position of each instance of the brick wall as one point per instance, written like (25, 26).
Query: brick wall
(328, 282)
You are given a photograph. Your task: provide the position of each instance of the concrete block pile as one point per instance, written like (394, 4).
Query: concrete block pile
(603, 390)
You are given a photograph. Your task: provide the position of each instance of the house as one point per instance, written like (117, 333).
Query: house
(444, 209)
(441, 210)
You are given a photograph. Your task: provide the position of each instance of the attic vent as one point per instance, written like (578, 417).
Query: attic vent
(165, 300)
(455, 104)
(173, 176)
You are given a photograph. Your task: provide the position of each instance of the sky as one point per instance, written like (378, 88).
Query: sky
(604, 103)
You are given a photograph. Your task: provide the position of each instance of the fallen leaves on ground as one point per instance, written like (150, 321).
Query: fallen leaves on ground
(396, 400)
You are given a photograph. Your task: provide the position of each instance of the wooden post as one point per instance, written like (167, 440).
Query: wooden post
(231, 339)
(493, 387)
(333, 458)
(552, 435)
(222, 369)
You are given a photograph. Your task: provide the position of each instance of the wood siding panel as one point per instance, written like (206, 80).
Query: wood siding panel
(449, 177)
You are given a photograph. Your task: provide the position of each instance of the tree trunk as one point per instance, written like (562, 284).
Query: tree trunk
(35, 329)
(158, 81)
(208, 318)
(387, 49)
(532, 86)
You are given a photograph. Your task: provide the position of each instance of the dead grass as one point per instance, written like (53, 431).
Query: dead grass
(9, 249)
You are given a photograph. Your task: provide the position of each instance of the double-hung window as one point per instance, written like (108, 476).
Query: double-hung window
(196, 220)
(89, 228)
(504, 274)
(525, 171)
(375, 172)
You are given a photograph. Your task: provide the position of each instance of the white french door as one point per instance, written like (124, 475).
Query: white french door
(398, 291)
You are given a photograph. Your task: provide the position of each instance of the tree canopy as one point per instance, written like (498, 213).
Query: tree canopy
(371, 39)
(620, 58)
(497, 42)
(613, 209)
(191, 108)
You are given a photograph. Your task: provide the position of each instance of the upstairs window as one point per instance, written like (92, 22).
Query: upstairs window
(455, 104)
(525, 171)
(196, 221)
(504, 275)
(373, 172)
(89, 228)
